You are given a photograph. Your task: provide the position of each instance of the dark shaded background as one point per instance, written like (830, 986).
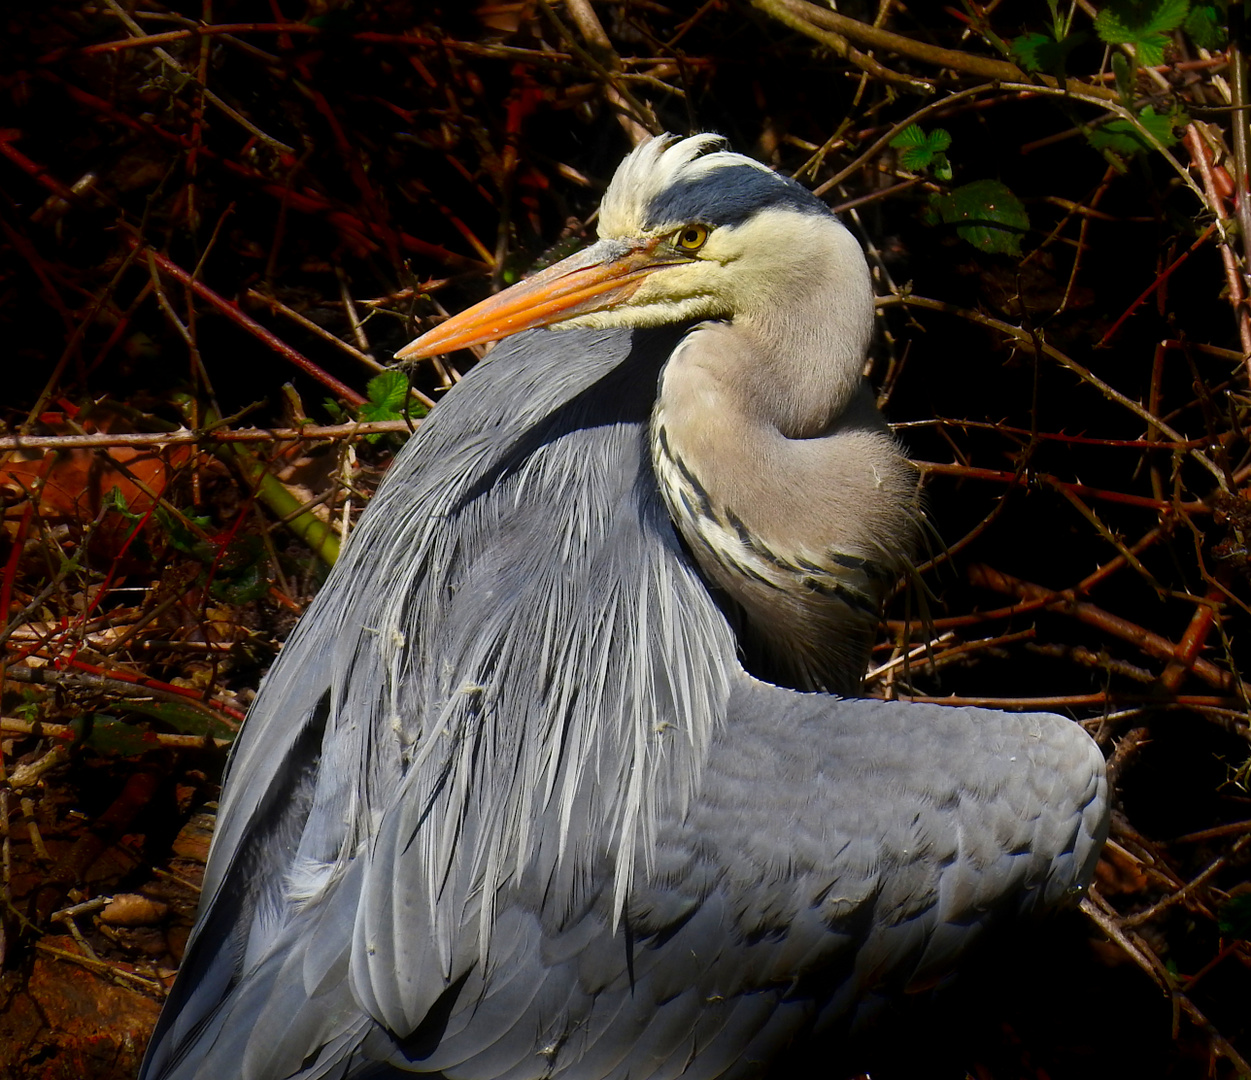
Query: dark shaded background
(362, 166)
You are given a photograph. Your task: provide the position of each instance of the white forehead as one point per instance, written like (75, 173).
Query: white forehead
(654, 168)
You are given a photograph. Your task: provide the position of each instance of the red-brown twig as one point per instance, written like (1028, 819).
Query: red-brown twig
(1066, 602)
(310, 432)
(232, 312)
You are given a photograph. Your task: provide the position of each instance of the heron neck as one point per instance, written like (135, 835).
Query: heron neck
(782, 477)
(804, 337)
(795, 380)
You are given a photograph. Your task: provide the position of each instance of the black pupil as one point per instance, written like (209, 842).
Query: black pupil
(690, 237)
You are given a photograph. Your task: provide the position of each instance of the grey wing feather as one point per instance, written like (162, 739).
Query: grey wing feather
(778, 889)
(483, 821)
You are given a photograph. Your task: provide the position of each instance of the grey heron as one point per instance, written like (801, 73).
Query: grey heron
(510, 804)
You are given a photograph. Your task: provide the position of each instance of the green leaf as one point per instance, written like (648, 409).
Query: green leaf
(919, 151)
(241, 571)
(1144, 24)
(388, 390)
(336, 413)
(912, 135)
(1150, 49)
(1124, 137)
(182, 538)
(187, 719)
(1123, 22)
(986, 214)
(250, 583)
(916, 158)
(1042, 52)
(114, 500)
(1027, 50)
(1204, 27)
(108, 735)
(388, 394)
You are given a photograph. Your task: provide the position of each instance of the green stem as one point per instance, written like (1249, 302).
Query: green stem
(318, 535)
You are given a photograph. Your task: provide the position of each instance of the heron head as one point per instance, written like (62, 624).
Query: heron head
(688, 231)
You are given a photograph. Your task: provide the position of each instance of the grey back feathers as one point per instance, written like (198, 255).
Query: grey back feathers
(508, 805)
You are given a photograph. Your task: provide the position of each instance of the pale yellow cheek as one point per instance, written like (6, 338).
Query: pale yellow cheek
(676, 283)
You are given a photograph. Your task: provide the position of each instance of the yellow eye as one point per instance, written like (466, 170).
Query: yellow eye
(691, 237)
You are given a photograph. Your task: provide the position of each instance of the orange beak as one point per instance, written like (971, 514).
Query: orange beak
(605, 274)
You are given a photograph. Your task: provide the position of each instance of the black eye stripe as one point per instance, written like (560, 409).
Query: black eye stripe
(737, 191)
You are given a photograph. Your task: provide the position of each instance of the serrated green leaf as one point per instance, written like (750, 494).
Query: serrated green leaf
(1042, 52)
(1162, 127)
(1123, 22)
(918, 151)
(986, 214)
(1144, 24)
(912, 135)
(916, 158)
(389, 390)
(1027, 48)
(1119, 137)
(1124, 137)
(388, 393)
(1166, 14)
(1204, 27)
(371, 412)
(1150, 49)
(1111, 29)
